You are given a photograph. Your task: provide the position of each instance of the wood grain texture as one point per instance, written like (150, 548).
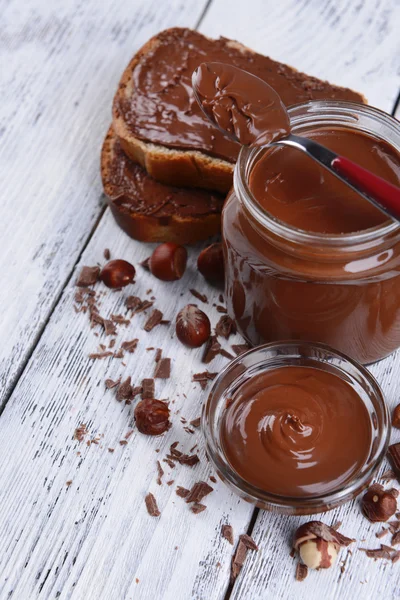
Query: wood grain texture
(60, 65)
(94, 538)
(355, 44)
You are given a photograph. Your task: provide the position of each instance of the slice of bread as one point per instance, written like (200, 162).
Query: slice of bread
(163, 135)
(150, 211)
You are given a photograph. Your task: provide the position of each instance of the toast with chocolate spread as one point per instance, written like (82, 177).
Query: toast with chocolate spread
(151, 211)
(159, 123)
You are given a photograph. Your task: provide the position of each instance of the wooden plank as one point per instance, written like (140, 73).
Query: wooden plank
(95, 537)
(60, 65)
(355, 44)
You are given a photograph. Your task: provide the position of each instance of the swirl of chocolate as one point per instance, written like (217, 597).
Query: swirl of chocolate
(296, 431)
(240, 104)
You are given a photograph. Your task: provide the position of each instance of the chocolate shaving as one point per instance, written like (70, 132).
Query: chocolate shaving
(182, 492)
(124, 391)
(100, 355)
(196, 294)
(226, 354)
(163, 368)
(160, 473)
(225, 327)
(107, 254)
(154, 319)
(221, 309)
(197, 508)
(110, 383)
(199, 491)
(120, 319)
(196, 422)
(112, 343)
(109, 327)
(248, 542)
(158, 355)
(396, 538)
(147, 389)
(381, 552)
(382, 533)
(238, 560)
(394, 458)
(151, 505)
(227, 533)
(88, 276)
(204, 378)
(213, 479)
(316, 529)
(130, 346)
(136, 305)
(388, 475)
(211, 350)
(239, 348)
(301, 572)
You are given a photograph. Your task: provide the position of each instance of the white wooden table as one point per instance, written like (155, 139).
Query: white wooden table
(60, 64)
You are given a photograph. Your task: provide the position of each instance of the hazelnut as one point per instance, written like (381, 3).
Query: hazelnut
(152, 416)
(168, 261)
(318, 544)
(396, 417)
(192, 326)
(379, 504)
(117, 273)
(210, 263)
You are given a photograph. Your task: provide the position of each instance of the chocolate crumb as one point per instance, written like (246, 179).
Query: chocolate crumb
(109, 383)
(171, 481)
(151, 505)
(154, 319)
(100, 355)
(221, 309)
(88, 276)
(147, 389)
(107, 254)
(382, 533)
(197, 508)
(112, 343)
(301, 572)
(128, 434)
(160, 473)
(163, 368)
(120, 319)
(68, 483)
(198, 295)
(109, 327)
(213, 479)
(123, 442)
(158, 355)
(188, 430)
(195, 422)
(182, 492)
(227, 533)
(124, 391)
(111, 450)
(80, 432)
(130, 346)
(225, 327)
(199, 491)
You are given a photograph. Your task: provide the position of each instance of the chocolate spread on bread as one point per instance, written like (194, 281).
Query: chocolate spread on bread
(161, 108)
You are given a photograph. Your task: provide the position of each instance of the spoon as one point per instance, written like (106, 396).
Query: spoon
(250, 112)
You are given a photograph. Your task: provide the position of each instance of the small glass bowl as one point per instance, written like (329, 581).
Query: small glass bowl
(271, 356)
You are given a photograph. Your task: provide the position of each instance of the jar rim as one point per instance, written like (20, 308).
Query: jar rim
(320, 354)
(341, 112)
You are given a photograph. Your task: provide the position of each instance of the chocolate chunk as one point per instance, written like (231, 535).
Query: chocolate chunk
(120, 319)
(109, 327)
(107, 254)
(199, 491)
(396, 538)
(158, 355)
(198, 295)
(211, 350)
(182, 492)
(248, 542)
(154, 319)
(227, 533)
(124, 391)
(112, 343)
(160, 473)
(394, 458)
(136, 305)
(109, 383)
(301, 572)
(130, 346)
(100, 355)
(225, 327)
(239, 348)
(197, 508)
(188, 459)
(151, 505)
(196, 422)
(163, 369)
(384, 552)
(204, 378)
(238, 560)
(382, 533)
(147, 389)
(88, 276)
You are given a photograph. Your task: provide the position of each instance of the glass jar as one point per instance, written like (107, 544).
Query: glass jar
(273, 356)
(286, 283)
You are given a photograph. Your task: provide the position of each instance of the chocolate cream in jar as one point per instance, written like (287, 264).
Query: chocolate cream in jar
(306, 258)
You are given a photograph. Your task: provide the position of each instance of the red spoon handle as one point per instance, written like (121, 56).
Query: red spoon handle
(380, 190)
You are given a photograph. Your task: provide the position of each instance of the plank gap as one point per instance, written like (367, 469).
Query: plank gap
(396, 105)
(203, 14)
